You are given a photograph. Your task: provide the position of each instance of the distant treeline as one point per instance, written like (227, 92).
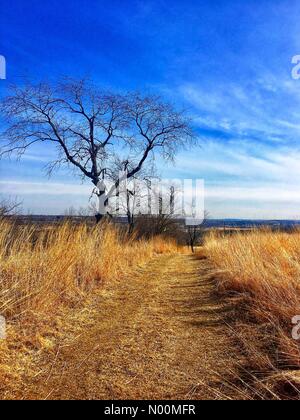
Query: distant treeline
(211, 223)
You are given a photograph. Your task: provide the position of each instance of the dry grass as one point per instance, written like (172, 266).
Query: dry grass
(262, 268)
(57, 282)
(42, 269)
(47, 276)
(157, 335)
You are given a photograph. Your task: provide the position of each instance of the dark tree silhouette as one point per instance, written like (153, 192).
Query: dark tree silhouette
(9, 207)
(195, 233)
(95, 132)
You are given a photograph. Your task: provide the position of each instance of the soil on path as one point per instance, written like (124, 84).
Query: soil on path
(160, 334)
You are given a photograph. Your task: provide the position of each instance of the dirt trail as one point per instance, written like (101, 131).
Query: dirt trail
(159, 335)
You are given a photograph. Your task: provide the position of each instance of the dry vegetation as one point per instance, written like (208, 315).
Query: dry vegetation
(42, 269)
(47, 273)
(50, 276)
(261, 269)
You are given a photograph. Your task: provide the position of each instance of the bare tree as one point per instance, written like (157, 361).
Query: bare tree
(195, 233)
(133, 199)
(164, 221)
(96, 133)
(9, 207)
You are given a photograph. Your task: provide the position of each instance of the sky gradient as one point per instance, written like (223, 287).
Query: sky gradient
(228, 62)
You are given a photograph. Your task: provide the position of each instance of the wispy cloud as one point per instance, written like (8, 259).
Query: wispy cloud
(229, 65)
(251, 111)
(241, 162)
(43, 188)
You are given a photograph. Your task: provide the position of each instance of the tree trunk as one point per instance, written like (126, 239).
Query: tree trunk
(131, 224)
(98, 218)
(192, 247)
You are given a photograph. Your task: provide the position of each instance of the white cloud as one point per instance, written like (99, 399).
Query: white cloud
(267, 193)
(20, 188)
(242, 161)
(246, 179)
(267, 107)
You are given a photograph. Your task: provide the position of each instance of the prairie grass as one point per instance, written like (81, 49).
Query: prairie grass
(41, 269)
(262, 270)
(49, 276)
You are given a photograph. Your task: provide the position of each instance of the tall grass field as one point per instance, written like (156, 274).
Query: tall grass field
(46, 275)
(262, 270)
(50, 275)
(41, 269)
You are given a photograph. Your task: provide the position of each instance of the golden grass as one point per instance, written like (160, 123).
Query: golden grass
(41, 269)
(48, 276)
(263, 268)
(157, 335)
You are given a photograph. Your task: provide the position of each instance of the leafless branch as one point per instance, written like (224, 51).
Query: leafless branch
(9, 207)
(92, 129)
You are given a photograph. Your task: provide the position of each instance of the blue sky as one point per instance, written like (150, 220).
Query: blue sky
(227, 61)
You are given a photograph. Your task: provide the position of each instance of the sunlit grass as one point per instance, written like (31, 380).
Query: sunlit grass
(263, 268)
(41, 269)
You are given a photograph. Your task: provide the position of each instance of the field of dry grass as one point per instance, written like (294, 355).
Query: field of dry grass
(77, 297)
(261, 270)
(44, 268)
(46, 275)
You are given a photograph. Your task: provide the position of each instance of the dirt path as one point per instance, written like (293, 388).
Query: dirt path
(159, 335)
